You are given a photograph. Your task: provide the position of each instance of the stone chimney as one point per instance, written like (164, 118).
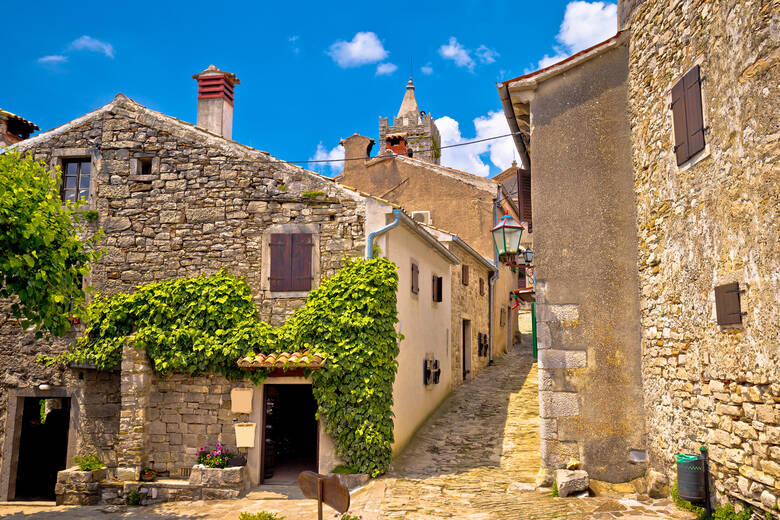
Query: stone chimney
(397, 144)
(356, 146)
(215, 100)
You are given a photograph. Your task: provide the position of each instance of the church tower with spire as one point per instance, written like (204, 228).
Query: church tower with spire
(412, 132)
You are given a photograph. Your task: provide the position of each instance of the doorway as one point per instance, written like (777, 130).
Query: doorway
(290, 434)
(43, 446)
(466, 346)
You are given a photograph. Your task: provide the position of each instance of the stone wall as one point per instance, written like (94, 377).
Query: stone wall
(467, 303)
(711, 221)
(186, 413)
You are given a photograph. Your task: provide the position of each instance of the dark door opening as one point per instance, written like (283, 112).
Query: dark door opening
(43, 447)
(466, 346)
(290, 433)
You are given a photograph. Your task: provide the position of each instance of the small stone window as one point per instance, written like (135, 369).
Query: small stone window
(145, 166)
(464, 274)
(687, 116)
(482, 287)
(291, 262)
(728, 307)
(438, 288)
(415, 279)
(76, 174)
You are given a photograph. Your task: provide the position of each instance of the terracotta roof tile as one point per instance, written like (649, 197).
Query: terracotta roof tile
(283, 360)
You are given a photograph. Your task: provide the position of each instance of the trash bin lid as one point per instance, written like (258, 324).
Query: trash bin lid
(681, 457)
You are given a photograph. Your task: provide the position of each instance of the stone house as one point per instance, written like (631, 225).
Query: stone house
(466, 205)
(671, 302)
(14, 128)
(177, 200)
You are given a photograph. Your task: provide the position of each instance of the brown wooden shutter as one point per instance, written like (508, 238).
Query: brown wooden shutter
(301, 261)
(680, 126)
(727, 304)
(482, 287)
(524, 197)
(281, 257)
(464, 274)
(693, 112)
(415, 279)
(438, 288)
(687, 116)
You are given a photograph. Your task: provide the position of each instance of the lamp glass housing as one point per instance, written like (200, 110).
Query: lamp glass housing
(506, 236)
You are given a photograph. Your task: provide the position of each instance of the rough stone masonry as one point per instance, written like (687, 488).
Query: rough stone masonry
(713, 220)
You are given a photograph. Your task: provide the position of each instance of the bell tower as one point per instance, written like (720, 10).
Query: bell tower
(412, 132)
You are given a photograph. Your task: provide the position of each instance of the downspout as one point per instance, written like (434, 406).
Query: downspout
(492, 281)
(381, 231)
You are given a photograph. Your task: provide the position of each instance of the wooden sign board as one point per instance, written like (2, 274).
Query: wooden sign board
(326, 489)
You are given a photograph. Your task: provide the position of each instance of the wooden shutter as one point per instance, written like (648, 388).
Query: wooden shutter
(415, 279)
(464, 274)
(524, 197)
(438, 288)
(482, 287)
(727, 304)
(301, 261)
(687, 116)
(281, 256)
(693, 112)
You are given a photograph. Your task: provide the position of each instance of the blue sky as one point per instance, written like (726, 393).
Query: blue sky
(311, 73)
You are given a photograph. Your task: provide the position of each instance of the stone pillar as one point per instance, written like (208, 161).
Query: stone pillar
(134, 415)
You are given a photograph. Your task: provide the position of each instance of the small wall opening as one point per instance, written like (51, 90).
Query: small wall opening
(43, 447)
(290, 432)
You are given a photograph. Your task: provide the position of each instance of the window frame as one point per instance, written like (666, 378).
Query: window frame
(679, 93)
(266, 257)
(79, 161)
(415, 282)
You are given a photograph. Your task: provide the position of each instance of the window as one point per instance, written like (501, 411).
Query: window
(438, 288)
(415, 279)
(145, 166)
(291, 266)
(687, 116)
(464, 274)
(482, 287)
(75, 181)
(524, 197)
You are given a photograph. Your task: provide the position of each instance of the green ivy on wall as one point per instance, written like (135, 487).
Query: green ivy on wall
(207, 323)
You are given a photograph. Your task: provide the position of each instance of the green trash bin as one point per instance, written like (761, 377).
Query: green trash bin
(691, 478)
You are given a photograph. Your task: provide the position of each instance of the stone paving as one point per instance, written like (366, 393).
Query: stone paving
(476, 458)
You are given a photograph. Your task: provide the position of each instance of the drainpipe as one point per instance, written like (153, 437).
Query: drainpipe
(492, 281)
(381, 231)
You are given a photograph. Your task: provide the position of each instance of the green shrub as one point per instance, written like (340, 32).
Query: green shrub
(42, 410)
(554, 492)
(684, 504)
(133, 498)
(344, 470)
(727, 512)
(312, 194)
(262, 515)
(207, 323)
(349, 516)
(90, 215)
(88, 462)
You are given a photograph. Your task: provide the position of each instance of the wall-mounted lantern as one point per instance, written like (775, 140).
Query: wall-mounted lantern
(506, 236)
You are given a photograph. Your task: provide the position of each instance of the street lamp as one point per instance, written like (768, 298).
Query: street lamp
(506, 236)
(528, 256)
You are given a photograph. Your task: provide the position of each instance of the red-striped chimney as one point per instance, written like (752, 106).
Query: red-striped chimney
(215, 100)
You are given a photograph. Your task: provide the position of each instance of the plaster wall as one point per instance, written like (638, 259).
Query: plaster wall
(425, 325)
(585, 256)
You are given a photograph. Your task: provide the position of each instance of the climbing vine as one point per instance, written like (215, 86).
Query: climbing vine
(207, 323)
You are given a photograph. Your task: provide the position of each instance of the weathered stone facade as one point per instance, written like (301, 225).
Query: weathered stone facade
(208, 204)
(711, 221)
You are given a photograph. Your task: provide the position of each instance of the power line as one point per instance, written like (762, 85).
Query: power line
(466, 143)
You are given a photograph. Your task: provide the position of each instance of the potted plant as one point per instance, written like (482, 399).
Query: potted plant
(148, 475)
(216, 458)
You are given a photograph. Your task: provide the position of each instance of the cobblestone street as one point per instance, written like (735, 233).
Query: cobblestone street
(475, 458)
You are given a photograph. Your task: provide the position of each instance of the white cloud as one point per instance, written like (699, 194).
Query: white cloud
(456, 52)
(469, 158)
(88, 43)
(485, 54)
(584, 25)
(293, 40)
(335, 154)
(53, 59)
(385, 69)
(364, 48)
(427, 69)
